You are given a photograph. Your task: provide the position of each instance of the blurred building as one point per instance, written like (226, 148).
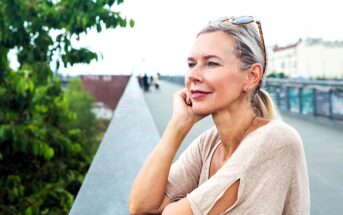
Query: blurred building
(311, 58)
(107, 90)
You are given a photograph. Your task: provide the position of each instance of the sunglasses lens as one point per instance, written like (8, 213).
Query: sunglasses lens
(243, 20)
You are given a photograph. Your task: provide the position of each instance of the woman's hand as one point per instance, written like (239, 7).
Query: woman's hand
(182, 110)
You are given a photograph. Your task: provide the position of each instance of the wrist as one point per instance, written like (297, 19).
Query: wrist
(174, 135)
(181, 125)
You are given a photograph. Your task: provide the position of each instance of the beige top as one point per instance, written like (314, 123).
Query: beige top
(270, 163)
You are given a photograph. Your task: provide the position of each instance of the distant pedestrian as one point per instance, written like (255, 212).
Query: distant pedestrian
(251, 162)
(145, 82)
(140, 80)
(157, 82)
(151, 81)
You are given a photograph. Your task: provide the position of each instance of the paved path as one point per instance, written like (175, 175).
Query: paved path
(323, 147)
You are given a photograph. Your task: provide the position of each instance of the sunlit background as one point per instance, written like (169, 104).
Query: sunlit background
(104, 100)
(164, 31)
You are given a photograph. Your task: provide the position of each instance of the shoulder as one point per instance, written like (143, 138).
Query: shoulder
(282, 132)
(280, 129)
(281, 136)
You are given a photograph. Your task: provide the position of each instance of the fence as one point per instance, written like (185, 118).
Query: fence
(318, 98)
(313, 98)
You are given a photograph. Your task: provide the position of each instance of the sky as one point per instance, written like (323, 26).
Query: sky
(165, 31)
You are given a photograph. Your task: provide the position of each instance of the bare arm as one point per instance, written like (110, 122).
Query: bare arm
(148, 190)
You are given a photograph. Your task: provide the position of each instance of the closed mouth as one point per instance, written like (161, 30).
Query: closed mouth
(200, 92)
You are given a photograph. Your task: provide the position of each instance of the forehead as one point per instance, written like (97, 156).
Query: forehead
(213, 43)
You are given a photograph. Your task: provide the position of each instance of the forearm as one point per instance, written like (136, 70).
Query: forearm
(148, 190)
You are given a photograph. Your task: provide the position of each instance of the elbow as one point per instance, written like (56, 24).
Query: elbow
(133, 211)
(133, 208)
(139, 209)
(142, 206)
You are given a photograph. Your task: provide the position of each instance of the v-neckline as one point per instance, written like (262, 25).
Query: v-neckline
(211, 157)
(219, 143)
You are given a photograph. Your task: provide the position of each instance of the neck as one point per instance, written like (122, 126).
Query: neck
(233, 126)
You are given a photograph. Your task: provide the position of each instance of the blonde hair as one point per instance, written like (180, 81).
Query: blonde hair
(249, 50)
(264, 105)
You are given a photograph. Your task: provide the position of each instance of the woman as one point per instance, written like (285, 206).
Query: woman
(250, 162)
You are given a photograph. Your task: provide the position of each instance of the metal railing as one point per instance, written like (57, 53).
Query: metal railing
(313, 98)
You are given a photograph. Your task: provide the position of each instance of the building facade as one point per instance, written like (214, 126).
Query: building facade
(311, 58)
(107, 91)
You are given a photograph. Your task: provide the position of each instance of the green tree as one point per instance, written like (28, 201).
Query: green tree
(276, 75)
(42, 159)
(81, 103)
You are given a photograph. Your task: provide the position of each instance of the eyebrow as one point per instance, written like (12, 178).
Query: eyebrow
(206, 57)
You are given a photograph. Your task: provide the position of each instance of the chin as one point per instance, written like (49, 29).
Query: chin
(201, 110)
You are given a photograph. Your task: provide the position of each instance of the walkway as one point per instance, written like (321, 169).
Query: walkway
(323, 147)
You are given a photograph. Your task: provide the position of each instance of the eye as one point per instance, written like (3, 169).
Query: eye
(212, 64)
(191, 64)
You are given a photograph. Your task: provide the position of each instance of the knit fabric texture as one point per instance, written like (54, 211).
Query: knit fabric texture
(269, 162)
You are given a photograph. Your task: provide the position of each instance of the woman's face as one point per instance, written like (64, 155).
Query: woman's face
(214, 81)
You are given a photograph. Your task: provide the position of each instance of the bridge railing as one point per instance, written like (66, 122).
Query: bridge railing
(315, 98)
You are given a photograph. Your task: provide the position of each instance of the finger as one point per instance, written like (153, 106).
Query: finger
(187, 98)
(189, 101)
(181, 94)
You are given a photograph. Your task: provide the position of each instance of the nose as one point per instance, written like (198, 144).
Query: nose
(194, 75)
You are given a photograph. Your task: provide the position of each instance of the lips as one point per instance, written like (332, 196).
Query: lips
(199, 94)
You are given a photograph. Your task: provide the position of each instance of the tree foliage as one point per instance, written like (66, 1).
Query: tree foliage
(42, 158)
(276, 75)
(42, 144)
(81, 103)
(27, 24)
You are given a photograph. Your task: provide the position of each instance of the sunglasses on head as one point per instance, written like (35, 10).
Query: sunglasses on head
(245, 20)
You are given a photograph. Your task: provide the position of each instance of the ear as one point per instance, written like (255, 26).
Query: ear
(253, 76)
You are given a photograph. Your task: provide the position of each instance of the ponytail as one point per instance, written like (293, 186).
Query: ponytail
(264, 105)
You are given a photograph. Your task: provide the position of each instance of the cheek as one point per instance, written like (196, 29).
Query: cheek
(230, 84)
(219, 81)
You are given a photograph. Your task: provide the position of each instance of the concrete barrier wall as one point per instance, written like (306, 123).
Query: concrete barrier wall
(130, 137)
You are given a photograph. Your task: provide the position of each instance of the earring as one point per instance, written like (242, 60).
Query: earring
(247, 89)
